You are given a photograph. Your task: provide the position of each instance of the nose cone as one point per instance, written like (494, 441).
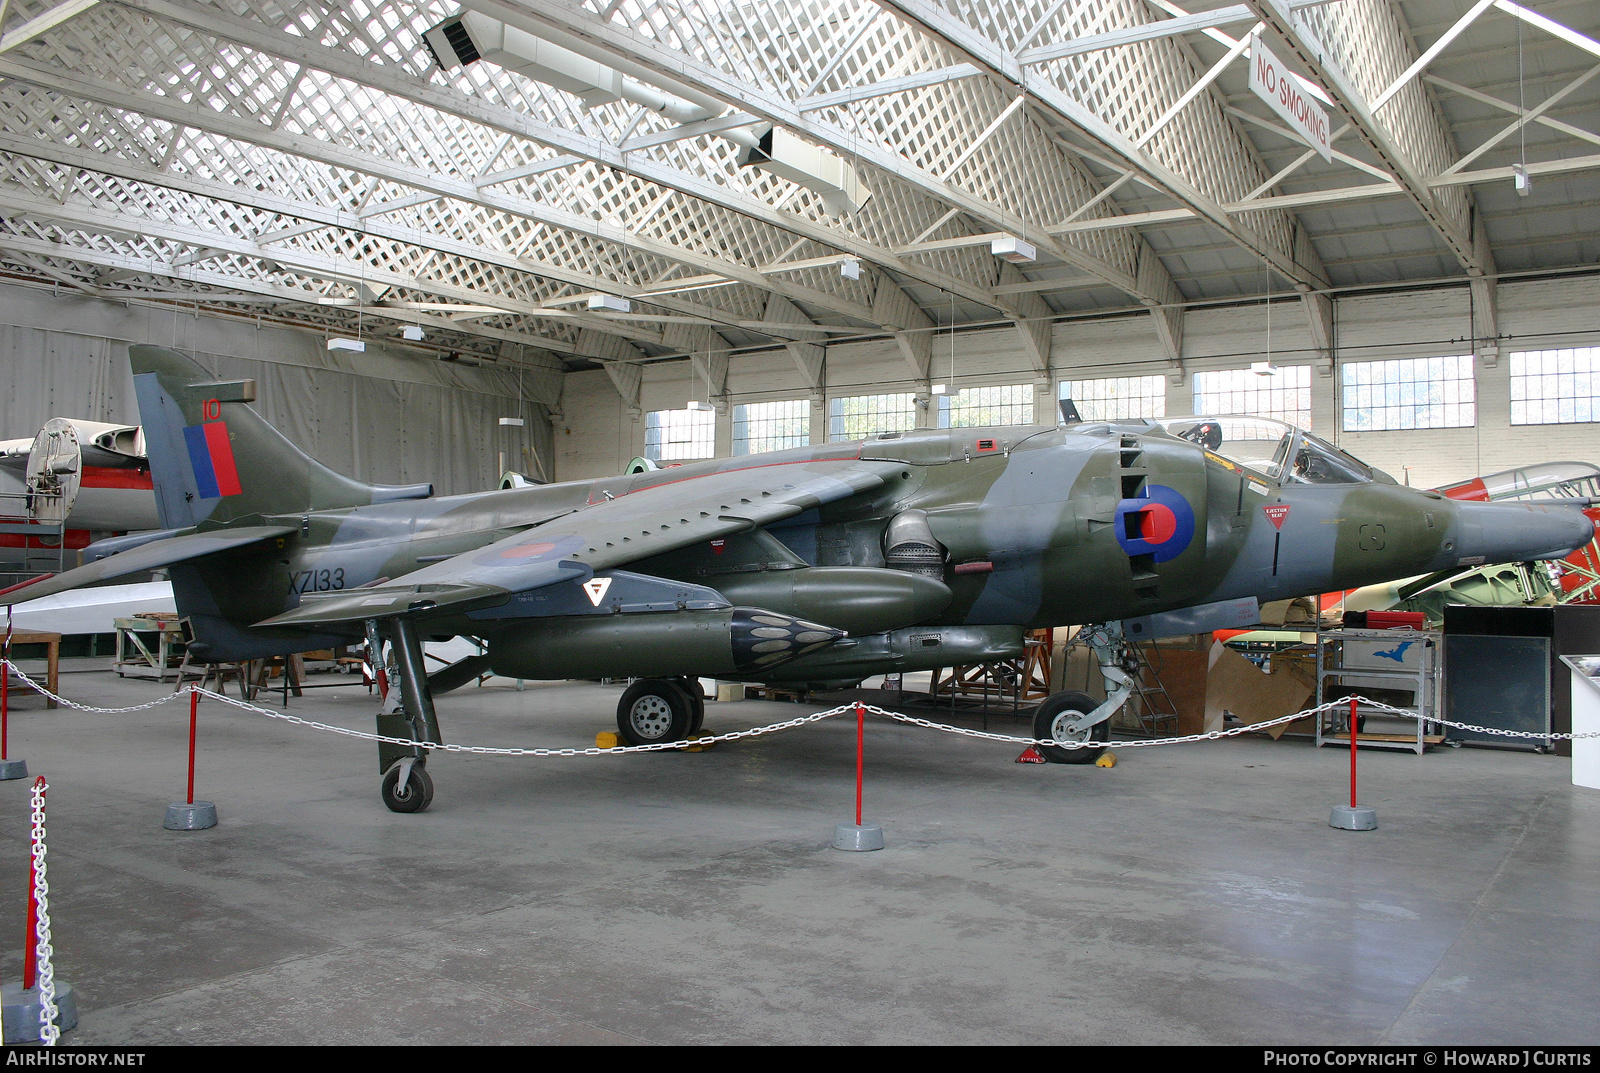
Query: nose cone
(1507, 533)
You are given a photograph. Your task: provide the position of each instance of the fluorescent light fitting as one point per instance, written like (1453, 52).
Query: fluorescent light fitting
(1263, 368)
(413, 332)
(610, 303)
(511, 422)
(1013, 249)
(941, 389)
(695, 404)
(850, 269)
(1520, 177)
(339, 342)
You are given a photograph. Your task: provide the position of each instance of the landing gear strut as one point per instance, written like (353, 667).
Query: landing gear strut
(407, 712)
(1075, 716)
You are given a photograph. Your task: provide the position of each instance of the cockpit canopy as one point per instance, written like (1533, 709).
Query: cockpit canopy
(1272, 448)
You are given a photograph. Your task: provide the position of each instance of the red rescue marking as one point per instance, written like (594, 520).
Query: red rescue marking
(717, 546)
(987, 445)
(1276, 513)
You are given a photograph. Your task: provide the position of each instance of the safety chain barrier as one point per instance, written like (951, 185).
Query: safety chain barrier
(790, 724)
(49, 1031)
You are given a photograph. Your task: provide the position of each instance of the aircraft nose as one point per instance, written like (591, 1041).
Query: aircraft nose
(1509, 533)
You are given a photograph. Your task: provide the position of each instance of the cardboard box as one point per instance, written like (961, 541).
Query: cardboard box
(1239, 686)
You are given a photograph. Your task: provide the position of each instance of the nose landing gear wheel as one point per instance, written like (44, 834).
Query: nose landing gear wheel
(654, 710)
(1050, 720)
(414, 796)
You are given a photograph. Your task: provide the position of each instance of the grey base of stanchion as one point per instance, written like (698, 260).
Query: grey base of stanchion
(196, 817)
(22, 1010)
(849, 836)
(13, 769)
(1354, 818)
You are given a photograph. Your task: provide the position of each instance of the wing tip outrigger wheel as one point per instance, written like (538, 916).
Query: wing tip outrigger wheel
(407, 786)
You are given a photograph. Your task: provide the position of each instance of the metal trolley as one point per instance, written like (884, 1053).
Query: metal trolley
(1357, 661)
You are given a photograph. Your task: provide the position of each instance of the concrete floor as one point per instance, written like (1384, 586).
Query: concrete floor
(1192, 894)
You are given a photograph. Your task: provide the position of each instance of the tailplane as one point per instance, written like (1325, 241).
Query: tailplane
(214, 460)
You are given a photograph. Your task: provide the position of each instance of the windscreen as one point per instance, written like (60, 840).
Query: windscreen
(1267, 446)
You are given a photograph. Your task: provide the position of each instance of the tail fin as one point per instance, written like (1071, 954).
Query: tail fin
(214, 459)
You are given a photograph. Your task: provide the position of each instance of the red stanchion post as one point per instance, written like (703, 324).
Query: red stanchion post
(191, 815)
(194, 717)
(9, 769)
(1352, 752)
(860, 836)
(861, 744)
(1353, 817)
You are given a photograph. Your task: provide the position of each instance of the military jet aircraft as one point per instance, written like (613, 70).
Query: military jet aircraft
(820, 565)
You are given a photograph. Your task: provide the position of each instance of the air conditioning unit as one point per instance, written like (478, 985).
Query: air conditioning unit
(339, 342)
(830, 177)
(471, 37)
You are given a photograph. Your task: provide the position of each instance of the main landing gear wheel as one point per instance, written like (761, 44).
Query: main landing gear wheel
(1050, 720)
(697, 702)
(414, 796)
(654, 710)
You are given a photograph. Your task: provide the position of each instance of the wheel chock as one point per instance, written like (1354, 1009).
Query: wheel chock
(1030, 755)
(607, 739)
(1106, 760)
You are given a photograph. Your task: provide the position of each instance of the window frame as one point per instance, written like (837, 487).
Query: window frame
(1350, 393)
(708, 423)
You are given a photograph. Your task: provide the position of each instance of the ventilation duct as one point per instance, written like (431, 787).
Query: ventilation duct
(473, 36)
(830, 177)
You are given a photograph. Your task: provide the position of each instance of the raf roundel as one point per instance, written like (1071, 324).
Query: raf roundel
(1159, 524)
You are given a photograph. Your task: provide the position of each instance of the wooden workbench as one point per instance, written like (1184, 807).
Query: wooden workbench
(52, 643)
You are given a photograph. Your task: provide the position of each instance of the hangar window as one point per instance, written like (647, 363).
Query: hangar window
(672, 435)
(977, 407)
(1285, 394)
(1550, 387)
(771, 426)
(1117, 398)
(866, 415)
(1409, 393)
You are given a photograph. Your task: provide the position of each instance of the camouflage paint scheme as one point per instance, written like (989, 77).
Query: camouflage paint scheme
(1038, 526)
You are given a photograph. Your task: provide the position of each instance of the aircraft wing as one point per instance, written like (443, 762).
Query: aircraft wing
(144, 557)
(601, 536)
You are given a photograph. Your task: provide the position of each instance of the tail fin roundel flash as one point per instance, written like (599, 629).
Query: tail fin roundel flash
(213, 459)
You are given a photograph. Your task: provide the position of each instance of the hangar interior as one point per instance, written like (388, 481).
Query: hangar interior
(527, 242)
